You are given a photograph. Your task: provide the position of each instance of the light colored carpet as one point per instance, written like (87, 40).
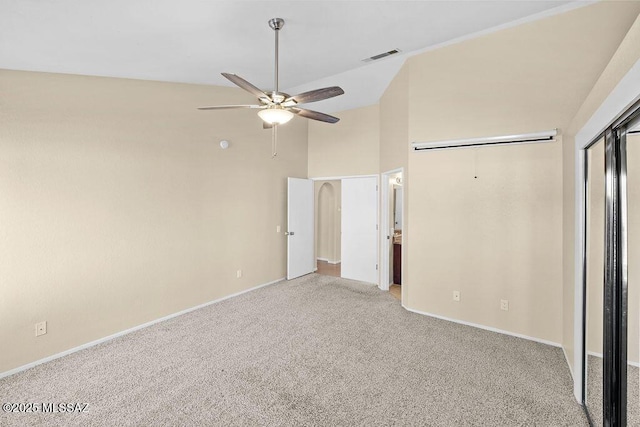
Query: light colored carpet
(319, 351)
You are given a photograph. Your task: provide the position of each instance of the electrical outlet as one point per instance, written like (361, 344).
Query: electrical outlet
(504, 305)
(277, 228)
(239, 274)
(41, 328)
(456, 295)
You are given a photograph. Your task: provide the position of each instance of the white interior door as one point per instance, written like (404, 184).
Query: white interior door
(359, 229)
(300, 238)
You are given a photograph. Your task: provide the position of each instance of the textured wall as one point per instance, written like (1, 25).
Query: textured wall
(500, 236)
(349, 147)
(117, 205)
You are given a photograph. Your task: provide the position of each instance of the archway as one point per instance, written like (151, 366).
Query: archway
(328, 227)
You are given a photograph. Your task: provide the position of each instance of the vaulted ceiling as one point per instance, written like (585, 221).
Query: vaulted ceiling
(192, 41)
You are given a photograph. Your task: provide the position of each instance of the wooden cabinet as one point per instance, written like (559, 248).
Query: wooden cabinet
(397, 264)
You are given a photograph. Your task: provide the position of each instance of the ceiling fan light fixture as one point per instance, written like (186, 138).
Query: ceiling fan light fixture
(275, 115)
(275, 107)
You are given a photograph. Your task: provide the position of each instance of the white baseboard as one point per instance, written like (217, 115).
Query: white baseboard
(567, 360)
(599, 355)
(328, 261)
(128, 331)
(486, 328)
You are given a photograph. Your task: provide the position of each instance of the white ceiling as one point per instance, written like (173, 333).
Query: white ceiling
(193, 41)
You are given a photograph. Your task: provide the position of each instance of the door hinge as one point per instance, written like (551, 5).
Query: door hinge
(376, 187)
(376, 226)
(376, 266)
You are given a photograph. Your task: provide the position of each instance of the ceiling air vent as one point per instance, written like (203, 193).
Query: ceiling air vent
(382, 55)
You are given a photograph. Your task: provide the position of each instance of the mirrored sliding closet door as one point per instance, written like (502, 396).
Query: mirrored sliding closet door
(612, 274)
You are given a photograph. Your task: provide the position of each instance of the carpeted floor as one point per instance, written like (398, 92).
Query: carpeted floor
(319, 351)
(594, 392)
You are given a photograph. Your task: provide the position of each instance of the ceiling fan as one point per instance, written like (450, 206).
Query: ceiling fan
(277, 108)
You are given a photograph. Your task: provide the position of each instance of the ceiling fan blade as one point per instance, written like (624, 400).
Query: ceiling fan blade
(314, 115)
(239, 81)
(314, 95)
(228, 107)
(266, 125)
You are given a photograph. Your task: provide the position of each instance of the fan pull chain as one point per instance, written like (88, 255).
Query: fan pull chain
(274, 141)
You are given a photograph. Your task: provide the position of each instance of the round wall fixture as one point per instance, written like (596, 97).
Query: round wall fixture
(224, 144)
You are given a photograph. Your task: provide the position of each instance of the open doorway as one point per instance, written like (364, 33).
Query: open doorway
(328, 196)
(347, 227)
(392, 221)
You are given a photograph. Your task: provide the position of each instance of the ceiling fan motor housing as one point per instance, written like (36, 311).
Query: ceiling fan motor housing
(276, 23)
(278, 107)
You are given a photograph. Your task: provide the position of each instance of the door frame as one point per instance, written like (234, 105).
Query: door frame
(624, 96)
(339, 178)
(385, 219)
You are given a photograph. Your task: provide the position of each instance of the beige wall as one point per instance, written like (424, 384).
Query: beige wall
(490, 227)
(625, 56)
(117, 205)
(394, 124)
(349, 147)
(500, 236)
(328, 195)
(620, 62)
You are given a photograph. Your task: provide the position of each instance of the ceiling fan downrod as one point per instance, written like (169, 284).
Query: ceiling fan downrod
(276, 24)
(277, 108)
